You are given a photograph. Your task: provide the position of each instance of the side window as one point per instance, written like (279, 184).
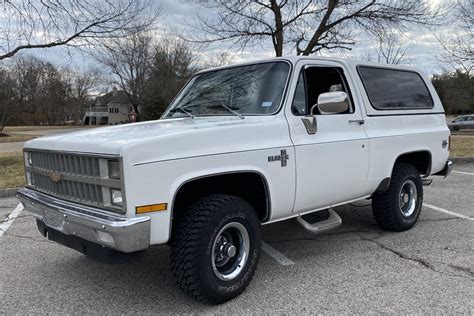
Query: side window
(392, 89)
(299, 102)
(313, 81)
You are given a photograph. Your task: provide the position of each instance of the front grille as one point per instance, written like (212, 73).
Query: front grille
(68, 163)
(73, 190)
(74, 177)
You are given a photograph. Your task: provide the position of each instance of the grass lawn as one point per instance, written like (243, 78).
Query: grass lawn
(11, 170)
(462, 146)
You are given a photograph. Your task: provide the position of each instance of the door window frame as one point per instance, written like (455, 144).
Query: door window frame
(340, 70)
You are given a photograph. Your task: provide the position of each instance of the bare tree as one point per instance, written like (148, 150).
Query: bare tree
(173, 64)
(33, 91)
(8, 89)
(27, 72)
(306, 26)
(458, 46)
(129, 60)
(80, 87)
(27, 24)
(216, 59)
(52, 97)
(390, 49)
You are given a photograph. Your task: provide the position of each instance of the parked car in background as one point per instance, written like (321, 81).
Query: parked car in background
(462, 122)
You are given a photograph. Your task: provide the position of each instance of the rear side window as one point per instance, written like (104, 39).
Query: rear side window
(390, 89)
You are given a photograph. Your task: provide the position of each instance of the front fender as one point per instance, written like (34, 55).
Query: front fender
(158, 182)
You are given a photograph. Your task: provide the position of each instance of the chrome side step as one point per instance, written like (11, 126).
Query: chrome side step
(426, 181)
(322, 226)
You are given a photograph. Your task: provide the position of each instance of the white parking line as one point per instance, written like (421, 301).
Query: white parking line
(275, 254)
(442, 210)
(462, 172)
(10, 219)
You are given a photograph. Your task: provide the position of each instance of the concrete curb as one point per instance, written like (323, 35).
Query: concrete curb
(462, 159)
(4, 193)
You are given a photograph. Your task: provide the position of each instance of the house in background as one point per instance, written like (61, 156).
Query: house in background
(110, 109)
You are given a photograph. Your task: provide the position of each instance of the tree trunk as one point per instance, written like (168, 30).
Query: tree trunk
(277, 36)
(321, 28)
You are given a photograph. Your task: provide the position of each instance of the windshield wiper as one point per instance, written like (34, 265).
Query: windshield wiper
(227, 108)
(176, 109)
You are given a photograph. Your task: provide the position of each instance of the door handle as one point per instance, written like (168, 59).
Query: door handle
(360, 122)
(310, 124)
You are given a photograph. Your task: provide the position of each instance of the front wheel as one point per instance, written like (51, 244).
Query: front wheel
(215, 248)
(398, 208)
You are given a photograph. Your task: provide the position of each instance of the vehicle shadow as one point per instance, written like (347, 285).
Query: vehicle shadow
(356, 218)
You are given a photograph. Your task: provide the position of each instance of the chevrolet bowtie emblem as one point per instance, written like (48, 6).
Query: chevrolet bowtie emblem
(55, 177)
(282, 157)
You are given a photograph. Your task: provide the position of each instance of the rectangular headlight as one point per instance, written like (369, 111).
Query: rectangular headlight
(28, 159)
(114, 169)
(28, 178)
(116, 197)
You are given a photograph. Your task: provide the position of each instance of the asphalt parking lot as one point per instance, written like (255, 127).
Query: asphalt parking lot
(356, 268)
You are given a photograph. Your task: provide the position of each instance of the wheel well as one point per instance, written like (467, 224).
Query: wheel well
(250, 186)
(421, 160)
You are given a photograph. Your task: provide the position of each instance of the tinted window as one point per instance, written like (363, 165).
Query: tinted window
(390, 89)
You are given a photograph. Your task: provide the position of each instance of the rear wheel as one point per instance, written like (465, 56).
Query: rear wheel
(216, 248)
(398, 208)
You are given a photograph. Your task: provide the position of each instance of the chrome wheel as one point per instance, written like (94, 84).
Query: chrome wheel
(230, 251)
(408, 198)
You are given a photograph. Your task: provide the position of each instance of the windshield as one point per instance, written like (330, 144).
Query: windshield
(244, 90)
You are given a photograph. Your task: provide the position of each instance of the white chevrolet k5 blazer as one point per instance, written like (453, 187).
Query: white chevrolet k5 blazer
(240, 147)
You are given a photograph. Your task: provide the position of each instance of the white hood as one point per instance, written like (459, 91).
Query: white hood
(171, 137)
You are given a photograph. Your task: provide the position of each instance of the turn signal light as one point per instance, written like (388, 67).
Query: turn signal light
(151, 208)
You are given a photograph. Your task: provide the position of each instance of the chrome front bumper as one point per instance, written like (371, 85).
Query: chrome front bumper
(446, 170)
(88, 223)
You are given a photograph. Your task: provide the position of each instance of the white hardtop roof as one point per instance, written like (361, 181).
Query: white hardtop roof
(345, 61)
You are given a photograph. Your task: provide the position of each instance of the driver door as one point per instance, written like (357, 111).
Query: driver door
(331, 161)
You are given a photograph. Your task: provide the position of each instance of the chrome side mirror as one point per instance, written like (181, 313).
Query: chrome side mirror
(332, 103)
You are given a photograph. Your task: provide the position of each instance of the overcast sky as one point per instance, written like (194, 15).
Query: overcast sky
(423, 45)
